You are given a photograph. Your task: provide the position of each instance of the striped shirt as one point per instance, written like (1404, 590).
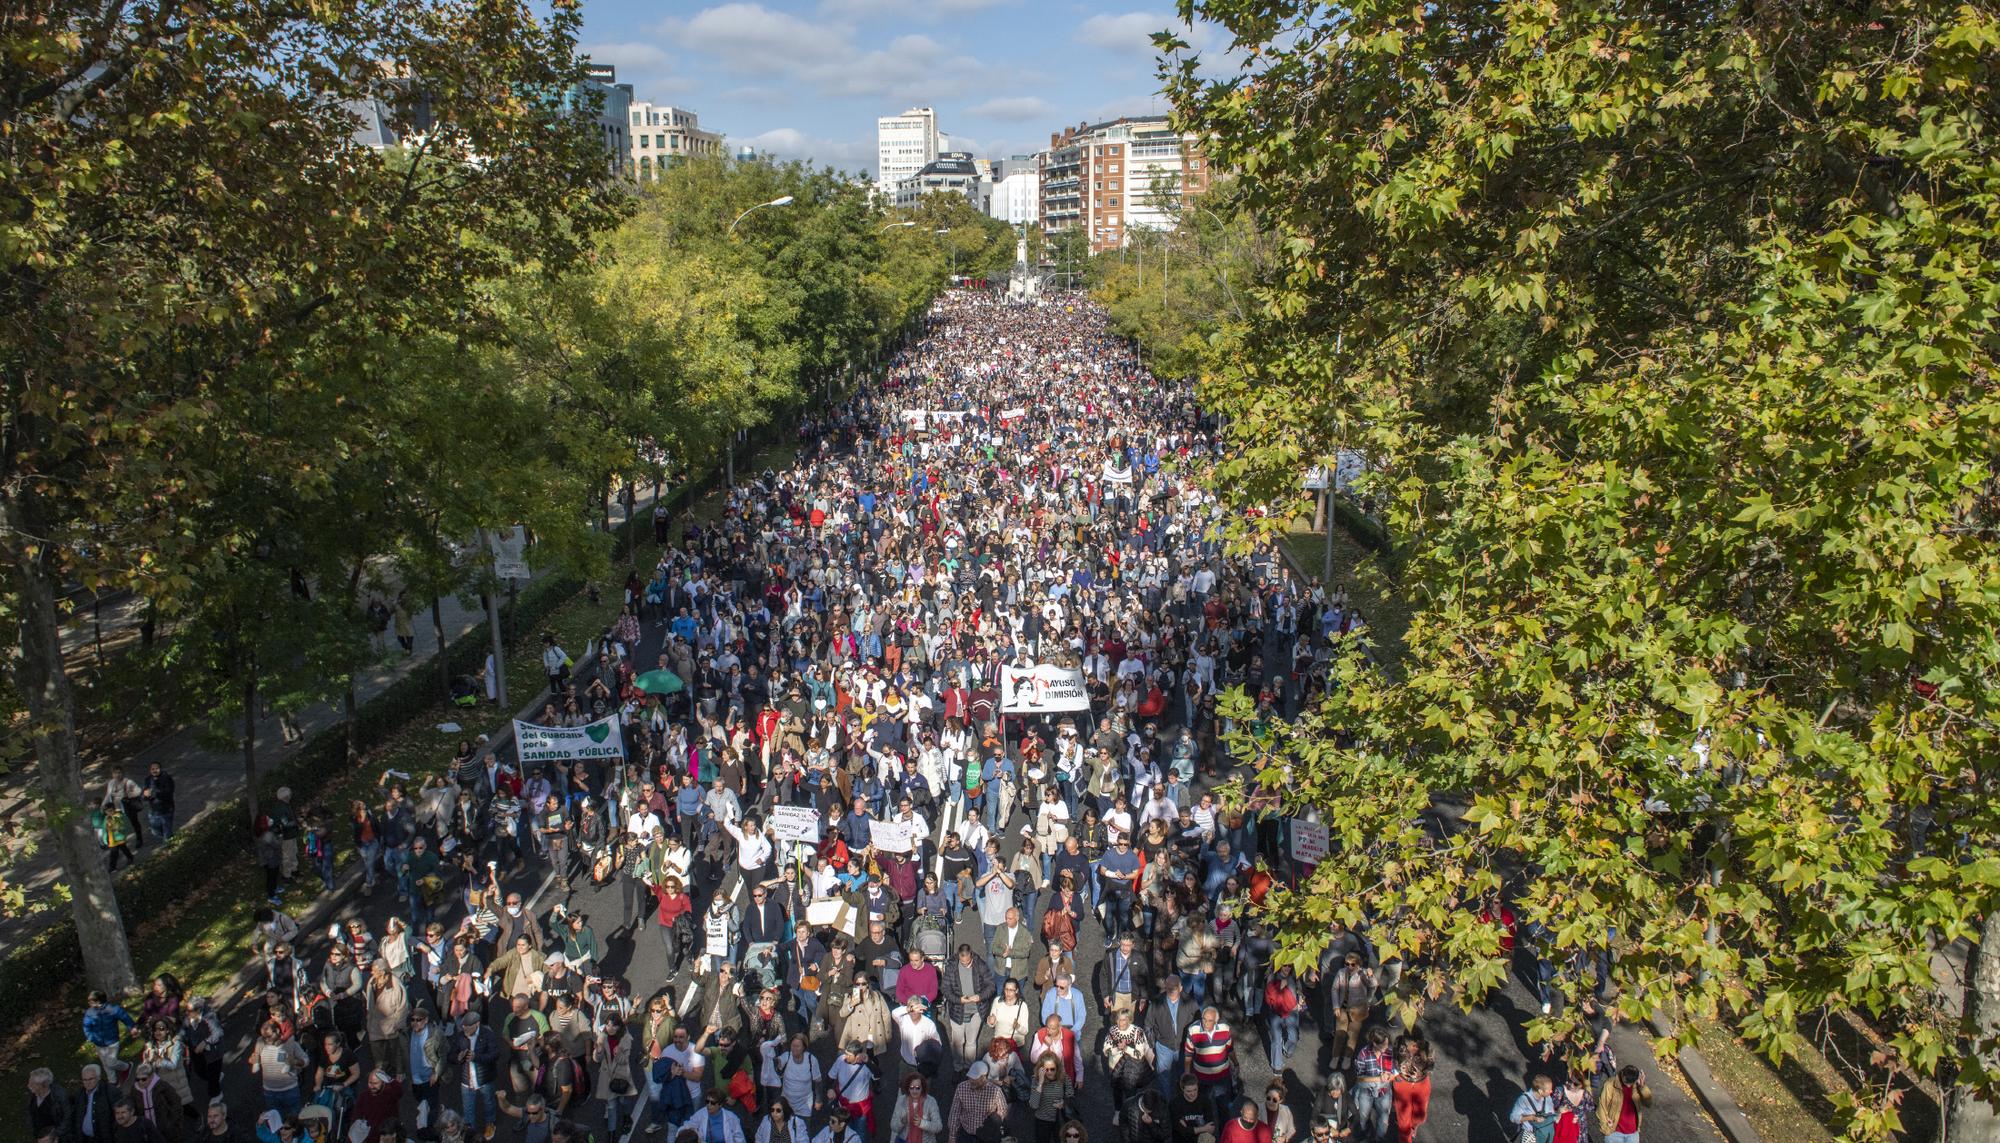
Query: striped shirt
(1208, 1051)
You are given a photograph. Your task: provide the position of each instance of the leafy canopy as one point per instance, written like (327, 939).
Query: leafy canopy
(1672, 327)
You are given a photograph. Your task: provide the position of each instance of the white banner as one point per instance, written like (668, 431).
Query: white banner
(1114, 475)
(1042, 689)
(510, 552)
(795, 823)
(600, 739)
(916, 419)
(892, 837)
(1012, 414)
(1308, 842)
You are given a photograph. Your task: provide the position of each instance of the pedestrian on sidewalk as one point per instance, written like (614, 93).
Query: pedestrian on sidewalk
(105, 1026)
(123, 796)
(158, 794)
(556, 663)
(406, 635)
(1622, 1104)
(114, 833)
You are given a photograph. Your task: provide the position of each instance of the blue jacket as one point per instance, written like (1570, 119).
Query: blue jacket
(102, 1024)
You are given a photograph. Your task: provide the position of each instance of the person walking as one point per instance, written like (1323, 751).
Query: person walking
(1622, 1104)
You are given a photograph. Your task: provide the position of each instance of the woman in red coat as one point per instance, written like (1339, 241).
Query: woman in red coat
(1411, 1089)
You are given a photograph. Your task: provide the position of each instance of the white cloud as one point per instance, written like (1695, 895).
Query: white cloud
(751, 37)
(928, 10)
(1014, 108)
(1131, 32)
(791, 143)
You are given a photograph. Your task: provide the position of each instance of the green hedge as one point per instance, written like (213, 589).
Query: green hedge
(185, 864)
(1367, 531)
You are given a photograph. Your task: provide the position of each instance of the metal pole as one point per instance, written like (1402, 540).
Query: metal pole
(1326, 572)
(499, 651)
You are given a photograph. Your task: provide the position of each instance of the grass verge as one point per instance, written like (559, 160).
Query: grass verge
(1790, 1101)
(1369, 583)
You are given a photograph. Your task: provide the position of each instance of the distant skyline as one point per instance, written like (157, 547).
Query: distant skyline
(808, 80)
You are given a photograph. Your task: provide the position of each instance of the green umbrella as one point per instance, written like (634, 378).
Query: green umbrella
(659, 683)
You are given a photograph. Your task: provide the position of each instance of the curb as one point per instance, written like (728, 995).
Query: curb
(1715, 1099)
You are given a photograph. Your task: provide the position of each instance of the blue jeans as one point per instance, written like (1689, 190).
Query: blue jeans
(1196, 986)
(371, 860)
(617, 1114)
(162, 825)
(1373, 1103)
(1168, 1065)
(478, 1107)
(951, 897)
(1622, 1137)
(1284, 1038)
(286, 1103)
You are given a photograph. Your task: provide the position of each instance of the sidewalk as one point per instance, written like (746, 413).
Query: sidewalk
(204, 776)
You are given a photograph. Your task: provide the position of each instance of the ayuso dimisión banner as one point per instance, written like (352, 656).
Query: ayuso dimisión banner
(1042, 689)
(600, 739)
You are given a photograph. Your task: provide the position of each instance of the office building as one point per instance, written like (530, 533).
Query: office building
(953, 172)
(1111, 178)
(663, 134)
(904, 145)
(1017, 190)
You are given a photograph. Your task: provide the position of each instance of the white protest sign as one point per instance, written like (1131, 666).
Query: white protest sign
(1042, 689)
(892, 837)
(795, 823)
(510, 552)
(1113, 474)
(1308, 842)
(600, 739)
(1012, 414)
(715, 931)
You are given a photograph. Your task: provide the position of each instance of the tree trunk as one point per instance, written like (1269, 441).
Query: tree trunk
(348, 706)
(250, 743)
(1971, 1119)
(437, 626)
(42, 678)
(630, 496)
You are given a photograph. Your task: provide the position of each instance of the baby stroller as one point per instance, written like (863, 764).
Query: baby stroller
(927, 936)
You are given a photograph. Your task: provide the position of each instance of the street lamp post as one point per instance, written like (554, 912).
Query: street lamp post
(783, 200)
(729, 464)
(894, 226)
(951, 252)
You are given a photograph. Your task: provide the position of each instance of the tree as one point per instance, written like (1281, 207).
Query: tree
(191, 226)
(1185, 293)
(1673, 329)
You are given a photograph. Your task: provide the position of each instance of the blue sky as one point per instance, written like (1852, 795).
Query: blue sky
(808, 79)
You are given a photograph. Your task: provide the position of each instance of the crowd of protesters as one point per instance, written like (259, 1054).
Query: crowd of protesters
(1018, 492)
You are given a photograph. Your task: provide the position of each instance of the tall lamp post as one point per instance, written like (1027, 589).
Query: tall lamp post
(951, 252)
(729, 461)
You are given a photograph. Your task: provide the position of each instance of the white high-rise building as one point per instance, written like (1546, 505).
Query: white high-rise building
(1017, 190)
(904, 145)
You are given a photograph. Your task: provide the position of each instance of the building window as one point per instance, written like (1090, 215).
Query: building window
(635, 119)
(645, 141)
